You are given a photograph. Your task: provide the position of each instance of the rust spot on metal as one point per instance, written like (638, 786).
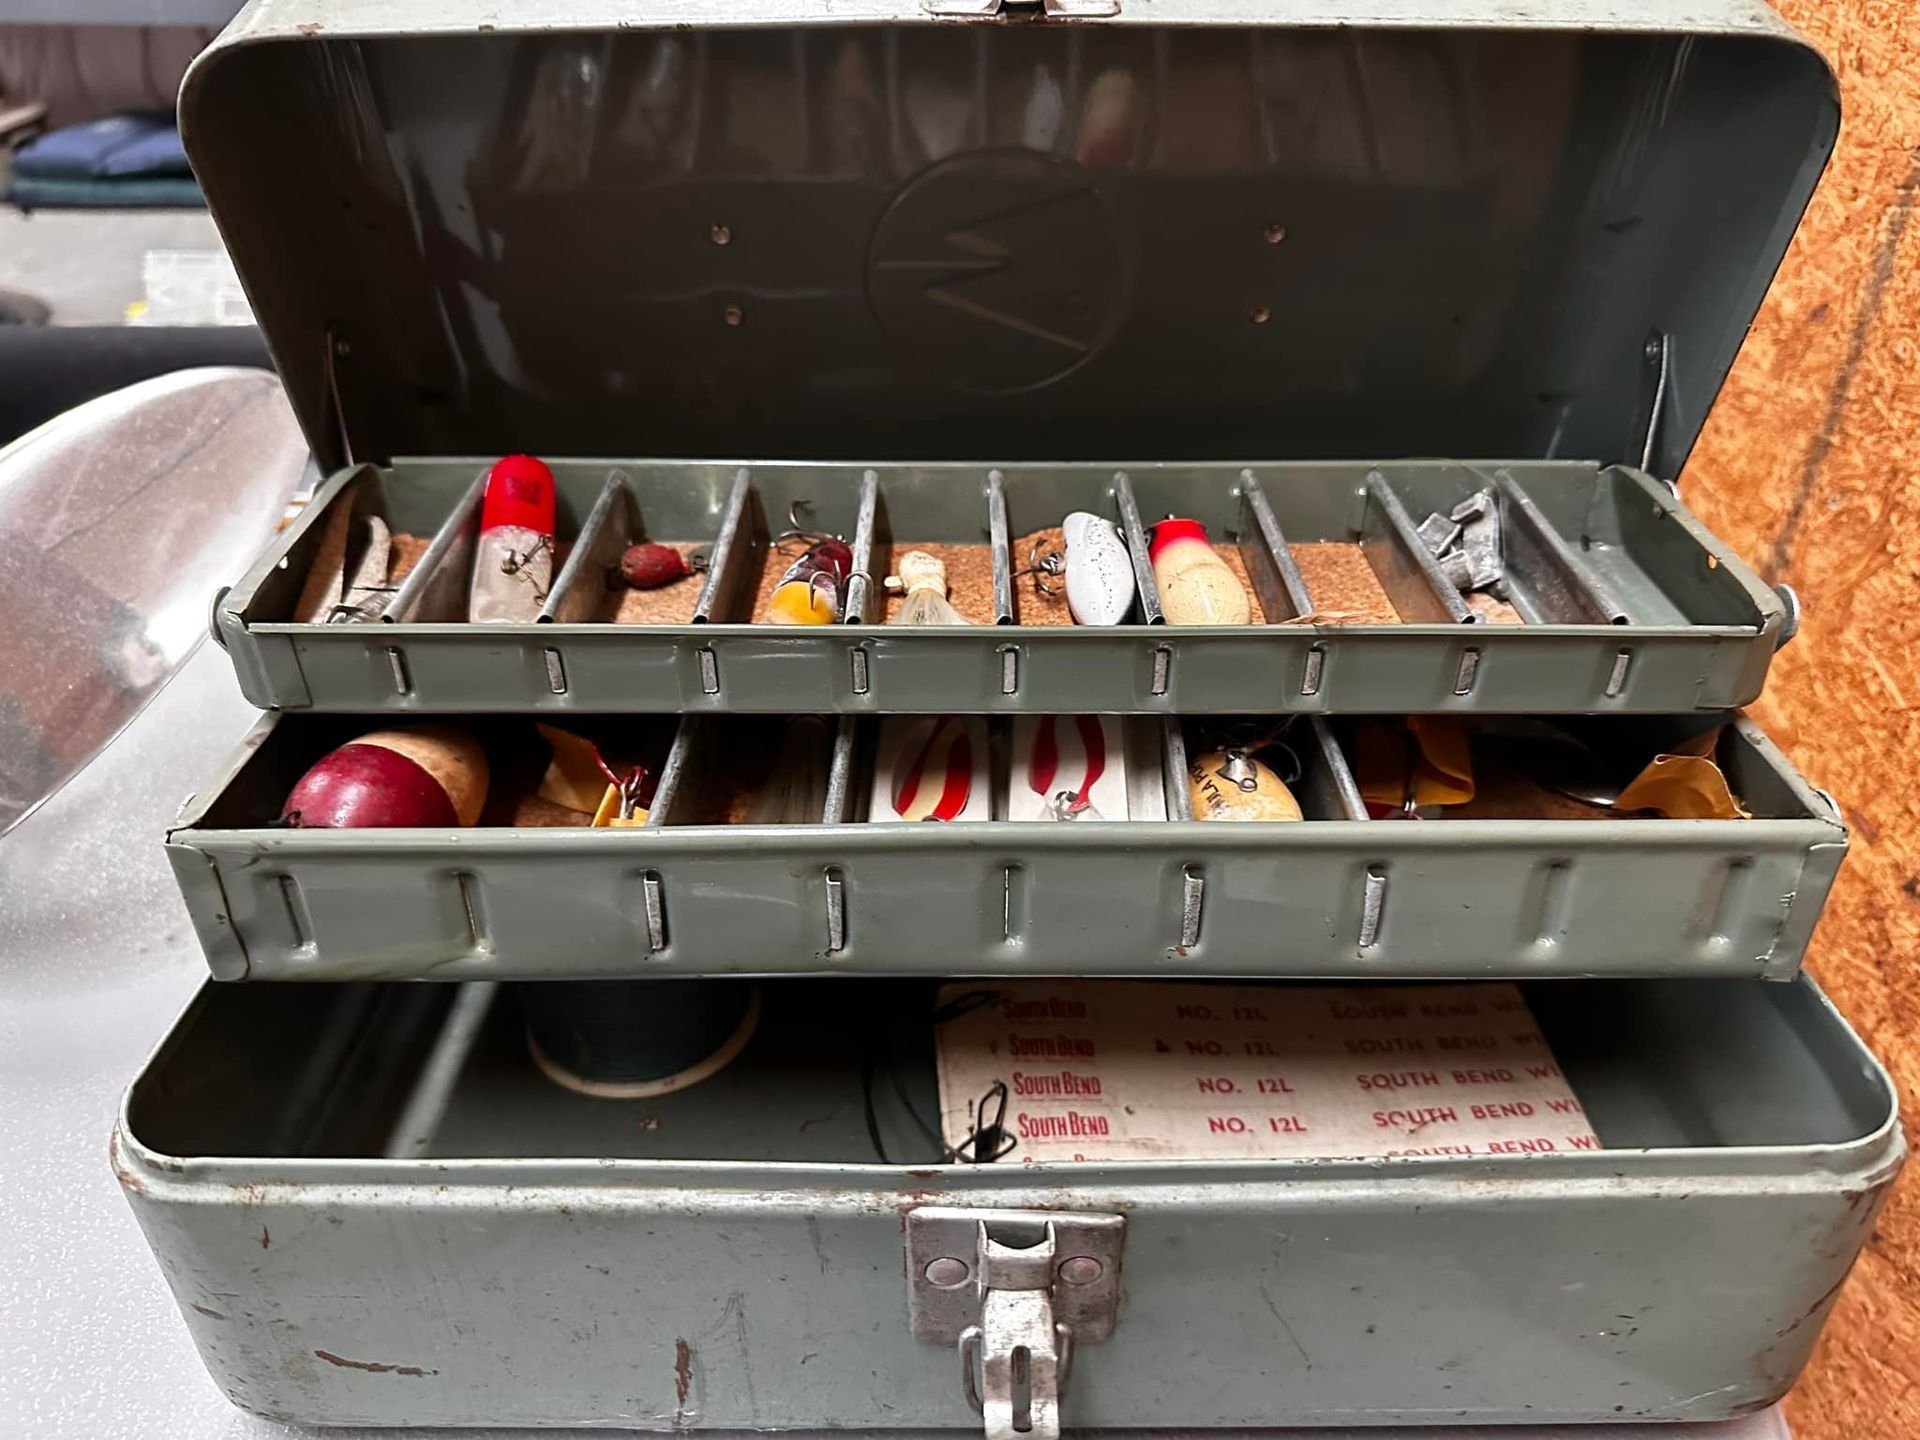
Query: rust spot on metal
(310, 29)
(128, 1180)
(682, 1380)
(266, 1240)
(1813, 1309)
(211, 1314)
(372, 1367)
(923, 1174)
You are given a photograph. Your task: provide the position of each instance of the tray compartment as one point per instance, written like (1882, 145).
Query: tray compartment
(1350, 614)
(314, 1168)
(1335, 895)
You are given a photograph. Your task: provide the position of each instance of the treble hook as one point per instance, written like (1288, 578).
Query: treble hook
(1042, 563)
(629, 789)
(796, 531)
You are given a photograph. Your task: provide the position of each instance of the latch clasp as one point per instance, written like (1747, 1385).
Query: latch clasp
(1014, 1291)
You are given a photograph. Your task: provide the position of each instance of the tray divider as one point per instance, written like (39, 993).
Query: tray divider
(1561, 587)
(360, 491)
(1136, 537)
(1408, 572)
(436, 589)
(840, 771)
(860, 584)
(581, 587)
(999, 542)
(413, 1134)
(672, 771)
(1339, 774)
(730, 562)
(1174, 772)
(1277, 581)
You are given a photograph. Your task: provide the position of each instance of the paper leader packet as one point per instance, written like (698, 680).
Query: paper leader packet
(1133, 1070)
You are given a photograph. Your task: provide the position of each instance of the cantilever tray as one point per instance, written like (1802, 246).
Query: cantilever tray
(1336, 894)
(1620, 600)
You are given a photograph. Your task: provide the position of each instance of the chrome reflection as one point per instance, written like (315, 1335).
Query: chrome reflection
(118, 520)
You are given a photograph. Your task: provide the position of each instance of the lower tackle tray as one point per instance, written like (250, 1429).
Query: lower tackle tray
(374, 1209)
(1610, 596)
(1521, 881)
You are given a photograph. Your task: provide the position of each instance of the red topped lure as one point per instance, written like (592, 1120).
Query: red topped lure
(513, 562)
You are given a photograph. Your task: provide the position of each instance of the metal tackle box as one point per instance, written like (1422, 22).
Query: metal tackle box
(936, 273)
(1337, 895)
(943, 272)
(373, 1210)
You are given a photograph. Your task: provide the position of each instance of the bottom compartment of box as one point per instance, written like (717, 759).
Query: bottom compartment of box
(375, 1206)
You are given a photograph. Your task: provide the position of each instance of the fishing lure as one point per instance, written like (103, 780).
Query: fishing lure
(924, 579)
(652, 566)
(1068, 768)
(1196, 585)
(1230, 784)
(1100, 586)
(814, 588)
(931, 768)
(431, 776)
(513, 562)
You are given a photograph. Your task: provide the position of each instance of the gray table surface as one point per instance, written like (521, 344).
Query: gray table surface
(207, 14)
(96, 958)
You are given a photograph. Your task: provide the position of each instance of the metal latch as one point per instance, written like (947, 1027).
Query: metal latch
(1052, 9)
(1015, 1291)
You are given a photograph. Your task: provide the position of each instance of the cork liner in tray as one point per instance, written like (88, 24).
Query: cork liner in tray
(1341, 580)
(671, 604)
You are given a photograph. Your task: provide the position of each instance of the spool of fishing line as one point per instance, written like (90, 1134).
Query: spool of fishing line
(632, 1039)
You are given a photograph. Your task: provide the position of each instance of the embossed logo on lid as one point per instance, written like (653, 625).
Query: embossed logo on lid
(1000, 270)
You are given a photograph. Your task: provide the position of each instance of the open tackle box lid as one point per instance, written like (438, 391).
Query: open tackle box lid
(1089, 229)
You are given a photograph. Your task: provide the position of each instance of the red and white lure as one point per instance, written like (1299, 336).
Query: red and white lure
(1068, 767)
(513, 562)
(931, 768)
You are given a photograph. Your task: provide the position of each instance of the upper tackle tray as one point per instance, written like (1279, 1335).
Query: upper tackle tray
(1612, 596)
(915, 279)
